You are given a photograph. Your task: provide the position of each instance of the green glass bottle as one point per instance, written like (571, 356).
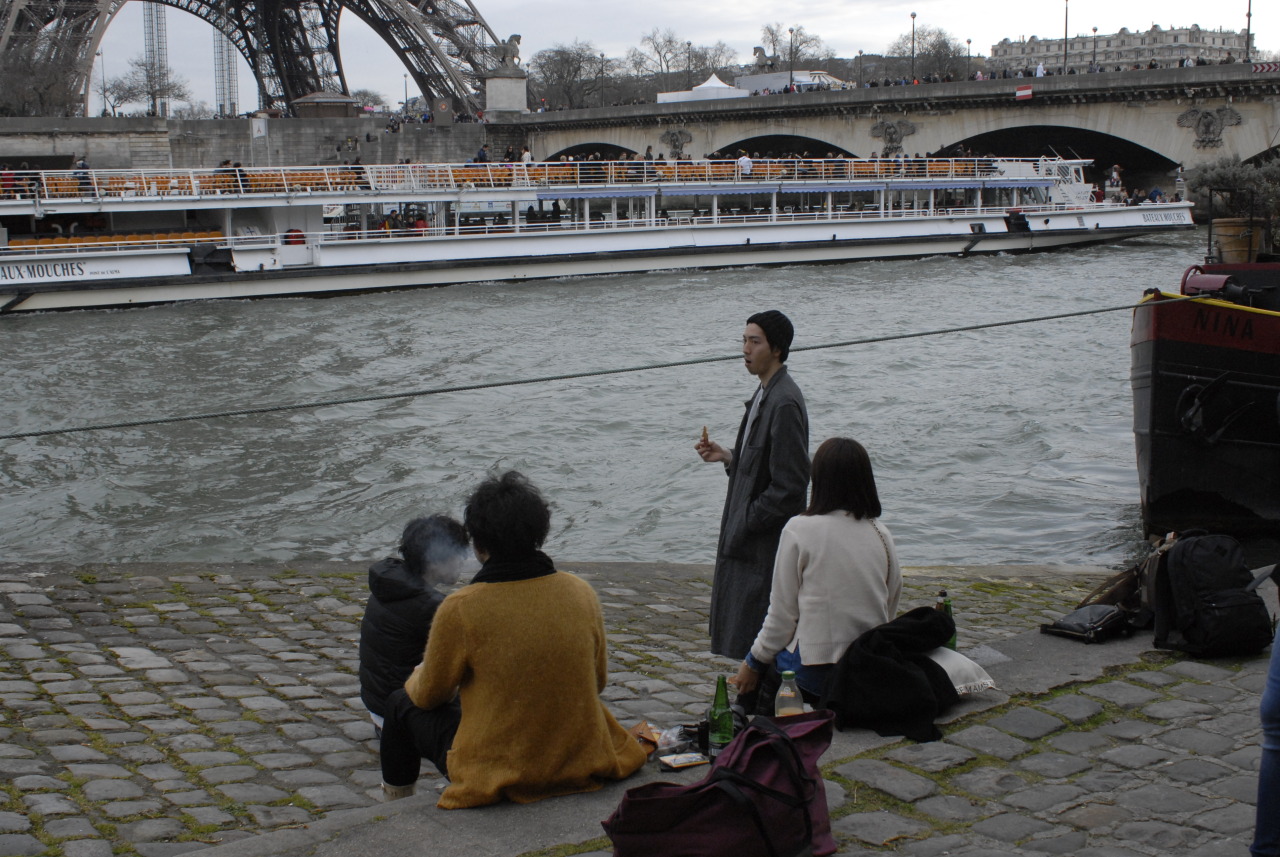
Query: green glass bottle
(944, 604)
(719, 720)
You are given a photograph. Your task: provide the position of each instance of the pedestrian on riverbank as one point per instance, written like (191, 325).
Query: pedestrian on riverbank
(836, 575)
(403, 598)
(768, 469)
(506, 702)
(1266, 833)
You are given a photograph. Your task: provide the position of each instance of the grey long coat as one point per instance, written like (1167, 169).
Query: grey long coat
(767, 482)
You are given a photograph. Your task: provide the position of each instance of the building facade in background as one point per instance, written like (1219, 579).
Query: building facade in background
(1169, 48)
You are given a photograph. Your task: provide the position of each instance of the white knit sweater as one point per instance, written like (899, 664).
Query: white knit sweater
(833, 578)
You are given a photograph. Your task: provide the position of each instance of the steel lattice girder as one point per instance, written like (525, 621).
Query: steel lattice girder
(291, 45)
(53, 38)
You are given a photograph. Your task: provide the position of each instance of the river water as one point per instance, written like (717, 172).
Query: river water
(1007, 445)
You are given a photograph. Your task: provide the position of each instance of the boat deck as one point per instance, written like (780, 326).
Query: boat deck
(47, 190)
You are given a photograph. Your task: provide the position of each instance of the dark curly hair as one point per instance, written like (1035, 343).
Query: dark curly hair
(507, 516)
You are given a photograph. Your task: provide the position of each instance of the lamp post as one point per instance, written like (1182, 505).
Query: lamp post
(1066, 12)
(1095, 49)
(791, 76)
(913, 47)
(406, 93)
(688, 65)
(602, 80)
(103, 61)
(968, 58)
(1248, 32)
(859, 69)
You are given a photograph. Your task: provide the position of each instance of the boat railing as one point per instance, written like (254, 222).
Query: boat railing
(728, 215)
(374, 180)
(92, 242)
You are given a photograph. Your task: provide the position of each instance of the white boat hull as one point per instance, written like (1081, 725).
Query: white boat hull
(374, 265)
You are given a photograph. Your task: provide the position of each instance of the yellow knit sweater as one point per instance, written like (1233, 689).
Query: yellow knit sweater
(529, 660)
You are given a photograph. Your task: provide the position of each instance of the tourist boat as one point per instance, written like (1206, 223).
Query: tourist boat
(1206, 401)
(98, 238)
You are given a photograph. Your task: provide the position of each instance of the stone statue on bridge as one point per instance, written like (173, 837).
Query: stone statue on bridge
(764, 62)
(508, 56)
(1209, 124)
(893, 133)
(675, 140)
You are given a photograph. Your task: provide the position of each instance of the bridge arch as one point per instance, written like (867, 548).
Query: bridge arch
(597, 150)
(784, 146)
(1141, 164)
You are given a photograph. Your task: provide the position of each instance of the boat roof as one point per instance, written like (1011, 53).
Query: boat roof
(42, 192)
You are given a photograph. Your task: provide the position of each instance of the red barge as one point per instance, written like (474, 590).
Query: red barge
(1206, 401)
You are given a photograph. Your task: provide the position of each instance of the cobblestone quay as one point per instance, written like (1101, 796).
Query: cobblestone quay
(156, 710)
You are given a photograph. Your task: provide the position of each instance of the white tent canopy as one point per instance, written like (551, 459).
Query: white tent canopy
(713, 82)
(713, 88)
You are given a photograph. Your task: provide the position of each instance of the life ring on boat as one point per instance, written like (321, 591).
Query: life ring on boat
(294, 236)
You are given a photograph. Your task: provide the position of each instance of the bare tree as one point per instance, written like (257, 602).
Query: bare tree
(368, 98)
(793, 44)
(660, 55)
(665, 61)
(569, 75)
(151, 83)
(936, 52)
(194, 110)
(708, 59)
(114, 94)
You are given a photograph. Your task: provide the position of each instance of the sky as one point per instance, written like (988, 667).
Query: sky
(846, 27)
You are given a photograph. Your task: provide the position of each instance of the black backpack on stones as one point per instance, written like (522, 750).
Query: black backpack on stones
(1205, 601)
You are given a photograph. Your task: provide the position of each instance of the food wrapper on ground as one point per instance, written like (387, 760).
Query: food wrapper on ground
(646, 735)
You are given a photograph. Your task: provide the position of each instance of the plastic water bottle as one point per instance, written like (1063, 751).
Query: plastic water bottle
(788, 701)
(719, 720)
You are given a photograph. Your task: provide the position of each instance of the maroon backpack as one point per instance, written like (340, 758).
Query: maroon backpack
(764, 797)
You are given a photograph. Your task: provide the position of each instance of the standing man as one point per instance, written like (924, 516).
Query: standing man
(768, 471)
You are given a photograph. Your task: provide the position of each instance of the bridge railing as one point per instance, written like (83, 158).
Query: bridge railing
(64, 185)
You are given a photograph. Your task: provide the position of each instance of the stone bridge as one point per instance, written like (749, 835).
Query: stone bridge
(1150, 120)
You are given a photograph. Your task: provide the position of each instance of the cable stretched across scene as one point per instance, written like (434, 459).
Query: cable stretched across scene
(568, 376)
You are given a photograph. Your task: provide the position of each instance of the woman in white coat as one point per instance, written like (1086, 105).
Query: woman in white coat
(836, 574)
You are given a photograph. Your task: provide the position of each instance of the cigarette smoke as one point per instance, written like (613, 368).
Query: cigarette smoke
(447, 561)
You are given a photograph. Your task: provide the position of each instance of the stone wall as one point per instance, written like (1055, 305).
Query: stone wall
(204, 143)
(153, 143)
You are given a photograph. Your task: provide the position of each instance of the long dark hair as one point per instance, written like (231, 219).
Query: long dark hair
(842, 479)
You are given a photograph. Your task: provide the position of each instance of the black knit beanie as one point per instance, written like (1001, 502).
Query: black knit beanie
(777, 331)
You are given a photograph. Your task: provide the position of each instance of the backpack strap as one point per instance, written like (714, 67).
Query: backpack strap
(732, 783)
(744, 803)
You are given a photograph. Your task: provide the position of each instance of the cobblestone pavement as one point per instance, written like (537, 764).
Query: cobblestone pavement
(154, 710)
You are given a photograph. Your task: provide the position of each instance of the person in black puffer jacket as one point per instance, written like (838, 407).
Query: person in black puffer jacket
(402, 602)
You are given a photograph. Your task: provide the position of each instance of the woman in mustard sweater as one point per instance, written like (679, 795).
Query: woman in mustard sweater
(523, 650)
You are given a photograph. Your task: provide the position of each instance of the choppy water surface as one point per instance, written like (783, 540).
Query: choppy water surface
(1006, 445)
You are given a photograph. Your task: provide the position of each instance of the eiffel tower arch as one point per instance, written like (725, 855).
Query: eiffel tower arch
(290, 45)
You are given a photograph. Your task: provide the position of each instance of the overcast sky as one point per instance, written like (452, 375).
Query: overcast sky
(846, 26)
